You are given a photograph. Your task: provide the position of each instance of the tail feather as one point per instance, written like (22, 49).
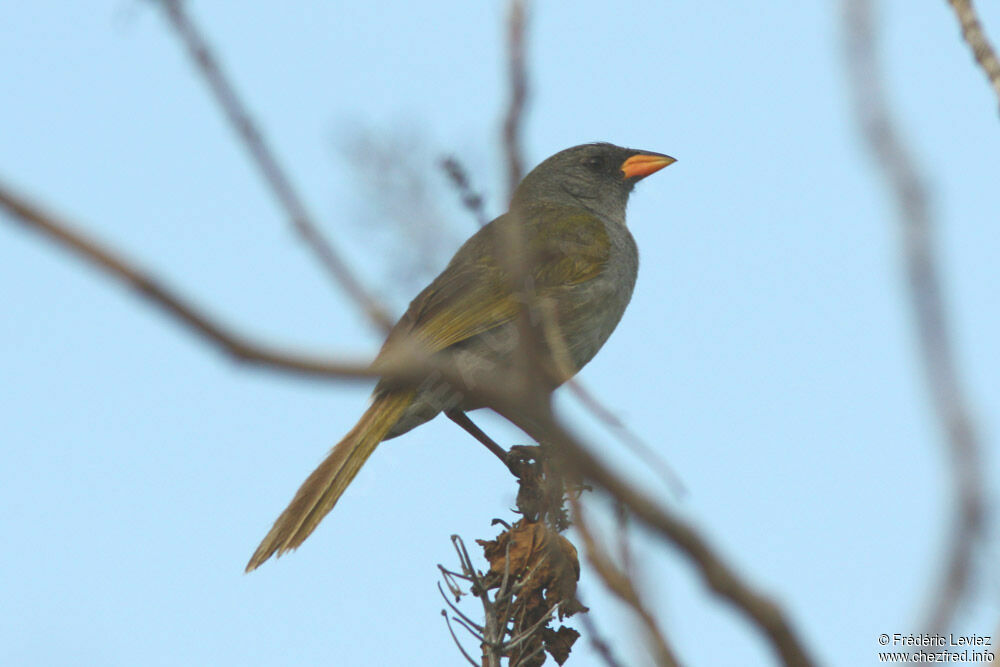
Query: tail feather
(321, 490)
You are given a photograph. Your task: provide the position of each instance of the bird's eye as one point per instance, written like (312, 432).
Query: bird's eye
(594, 163)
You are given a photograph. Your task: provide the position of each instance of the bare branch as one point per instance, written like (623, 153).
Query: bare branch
(455, 639)
(518, 76)
(491, 634)
(909, 191)
(975, 37)
(239, 117)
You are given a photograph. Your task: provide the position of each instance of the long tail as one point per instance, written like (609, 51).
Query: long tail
(319, 493)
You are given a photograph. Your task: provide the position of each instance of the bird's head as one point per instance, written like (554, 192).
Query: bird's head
(598, 177)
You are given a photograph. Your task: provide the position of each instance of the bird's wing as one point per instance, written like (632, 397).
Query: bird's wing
(567, 246)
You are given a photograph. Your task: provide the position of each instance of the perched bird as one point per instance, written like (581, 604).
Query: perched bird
(582, 261)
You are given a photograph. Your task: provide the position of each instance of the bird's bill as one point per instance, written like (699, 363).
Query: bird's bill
(645, 164)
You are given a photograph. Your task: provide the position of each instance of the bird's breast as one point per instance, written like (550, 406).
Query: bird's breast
(588, 313)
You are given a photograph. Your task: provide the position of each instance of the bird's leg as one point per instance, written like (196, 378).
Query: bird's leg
(463, 420)
(540, 491)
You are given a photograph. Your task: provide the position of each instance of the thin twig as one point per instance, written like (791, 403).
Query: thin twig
(449, 578)
(624, 545)
(628, 437)
(458, 611)
(975, 37)
(917, 227)
(494, 626)
(471, 199)
(503, 592)
(518, 78)
(514, 254)
(458, 643)
(597, 640)
(274, 175)
(468, 628)
(524, 635)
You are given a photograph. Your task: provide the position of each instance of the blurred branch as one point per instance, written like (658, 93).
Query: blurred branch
(950, 404)
(513, 253)
(628, 437)
(239, 117)
(975, 37)
(518, 76)
(535, 417)
(620, 583)
(598, 642)
(218, 335)
(471, 199)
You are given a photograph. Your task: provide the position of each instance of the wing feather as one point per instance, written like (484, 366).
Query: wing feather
(473, 294)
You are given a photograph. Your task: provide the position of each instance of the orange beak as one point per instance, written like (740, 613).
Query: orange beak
(645, 164)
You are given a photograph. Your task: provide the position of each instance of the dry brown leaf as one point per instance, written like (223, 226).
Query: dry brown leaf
(559, 642)
(544, 566)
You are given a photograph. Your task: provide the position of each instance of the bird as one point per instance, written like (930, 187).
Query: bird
(582, 262)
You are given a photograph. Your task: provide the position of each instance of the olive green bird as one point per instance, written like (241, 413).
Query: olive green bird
(583, 263)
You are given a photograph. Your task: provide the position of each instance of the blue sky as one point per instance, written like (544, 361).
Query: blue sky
(768, 353)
